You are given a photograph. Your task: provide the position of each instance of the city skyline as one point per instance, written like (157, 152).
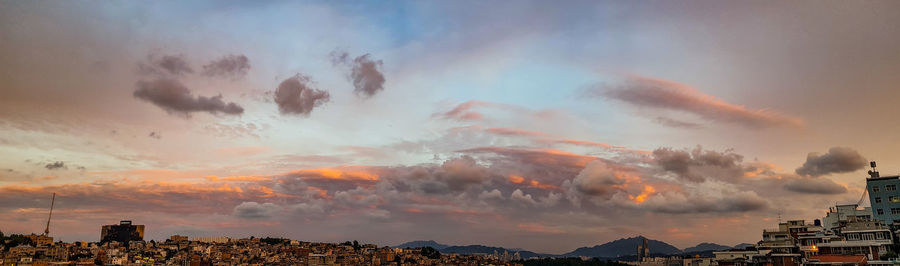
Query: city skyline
(534, 125)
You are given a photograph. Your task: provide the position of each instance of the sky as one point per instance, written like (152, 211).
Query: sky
(539, 125)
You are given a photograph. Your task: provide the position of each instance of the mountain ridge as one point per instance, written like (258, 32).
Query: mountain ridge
(622, 247)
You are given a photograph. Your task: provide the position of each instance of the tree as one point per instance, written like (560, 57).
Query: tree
(889, 255)
(431, 253)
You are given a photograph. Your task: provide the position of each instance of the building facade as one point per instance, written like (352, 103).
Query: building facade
(842, 214)
(123, 232)
(884, 196)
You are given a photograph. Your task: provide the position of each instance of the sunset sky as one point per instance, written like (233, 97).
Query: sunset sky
(532, 125)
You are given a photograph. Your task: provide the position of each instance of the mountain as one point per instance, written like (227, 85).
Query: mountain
(422, 243)
(743, 245)
(623, 247)
(479, 249)
(703, 247)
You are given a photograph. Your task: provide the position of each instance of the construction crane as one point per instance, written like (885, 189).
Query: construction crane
(52, 200)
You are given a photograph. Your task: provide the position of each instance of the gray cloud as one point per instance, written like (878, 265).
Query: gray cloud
(254, 210)
(662, 94)
(669, 122)
(460, 173)
(812, 185)
(597, 179)
(233, 66)
(296, 95)
(165, 65)
(56, 165)
(365, 73)
(679, 202)
(174, 97)
(698, 164)
(155, 135)
(837, 160)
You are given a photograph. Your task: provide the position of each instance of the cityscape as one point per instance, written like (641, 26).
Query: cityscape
(454, 132)
(847, 235)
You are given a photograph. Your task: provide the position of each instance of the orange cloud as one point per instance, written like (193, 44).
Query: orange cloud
(536, 184)
(645, 194)
(516, 179)
(338, 174)
(239, 178)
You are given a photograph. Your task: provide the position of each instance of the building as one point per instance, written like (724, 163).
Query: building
(178, 238)
(214, 239)
(738, 257)
(40, 240)
(123, 232)
(849, 236)
(842, 214)
(837, 260)
(698, 261)
(869, 238)
(643, 250)
(884, 196)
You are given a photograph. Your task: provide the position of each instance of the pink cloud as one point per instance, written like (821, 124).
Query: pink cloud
(663, 94)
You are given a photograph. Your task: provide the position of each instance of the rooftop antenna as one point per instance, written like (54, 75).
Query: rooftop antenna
(873, 173)
(52, 201)
(863, 198)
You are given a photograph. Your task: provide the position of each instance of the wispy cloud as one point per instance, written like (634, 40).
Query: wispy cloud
(646, 92)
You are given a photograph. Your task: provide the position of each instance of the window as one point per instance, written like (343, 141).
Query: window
(894, 199)
(880, 212)
(890, 187)
(895, 210)
(868, 236)
(878, 200)
(875, 189)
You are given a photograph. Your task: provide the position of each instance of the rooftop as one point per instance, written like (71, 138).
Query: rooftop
(882, 178)
(838, 258)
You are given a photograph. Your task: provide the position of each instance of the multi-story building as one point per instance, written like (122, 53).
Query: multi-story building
(739, 257)
(123, 232)
(841, 214)
(884, 196)
(40, 240)
(869, 238)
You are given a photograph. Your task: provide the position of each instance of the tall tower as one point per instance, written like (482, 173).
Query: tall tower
(643, 250)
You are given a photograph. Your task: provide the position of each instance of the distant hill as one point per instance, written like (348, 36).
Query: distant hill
(479, 249)
(623, 247)
(704, 247)
(422, 243)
